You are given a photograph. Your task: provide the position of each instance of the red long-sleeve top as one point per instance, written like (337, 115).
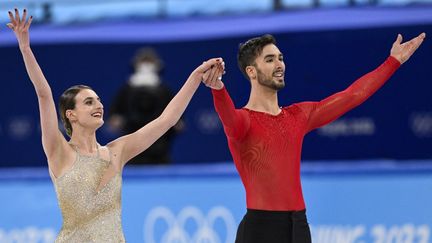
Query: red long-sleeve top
(266, 148)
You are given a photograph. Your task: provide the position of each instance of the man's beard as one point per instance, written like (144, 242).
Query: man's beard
(269, 82)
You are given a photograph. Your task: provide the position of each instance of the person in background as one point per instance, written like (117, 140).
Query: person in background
(140, 100)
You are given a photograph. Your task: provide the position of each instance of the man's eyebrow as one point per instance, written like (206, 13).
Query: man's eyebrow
(269, 55)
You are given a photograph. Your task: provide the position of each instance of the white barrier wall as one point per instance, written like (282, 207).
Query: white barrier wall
(194, 204)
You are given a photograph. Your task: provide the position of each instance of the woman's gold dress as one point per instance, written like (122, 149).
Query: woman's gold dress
(89, 214)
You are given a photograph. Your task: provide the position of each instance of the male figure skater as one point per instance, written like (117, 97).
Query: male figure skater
(265, 139)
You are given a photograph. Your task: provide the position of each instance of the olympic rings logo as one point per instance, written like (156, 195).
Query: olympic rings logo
(175, 230)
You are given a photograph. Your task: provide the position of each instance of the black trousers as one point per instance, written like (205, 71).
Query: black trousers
(260, 226)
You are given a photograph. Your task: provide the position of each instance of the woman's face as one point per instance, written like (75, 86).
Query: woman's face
(88, 110)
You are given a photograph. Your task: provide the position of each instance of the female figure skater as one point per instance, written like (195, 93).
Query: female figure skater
(86, 175)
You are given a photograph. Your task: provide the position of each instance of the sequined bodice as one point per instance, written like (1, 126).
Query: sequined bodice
(89, 214)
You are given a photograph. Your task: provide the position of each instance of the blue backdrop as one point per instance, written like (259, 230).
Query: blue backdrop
(324, 53)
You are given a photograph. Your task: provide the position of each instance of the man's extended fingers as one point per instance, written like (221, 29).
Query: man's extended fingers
(205, 77)
(421, 38)
(222, 68)
(422, 35)
(213, 76)
(207, 73)
(417, 44)
(398, 40)
(220, 71)
(218, 75)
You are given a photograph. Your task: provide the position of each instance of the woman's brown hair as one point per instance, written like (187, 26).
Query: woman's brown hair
(67, 102)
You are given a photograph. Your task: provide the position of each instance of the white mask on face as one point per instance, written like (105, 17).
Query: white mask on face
(146, 75)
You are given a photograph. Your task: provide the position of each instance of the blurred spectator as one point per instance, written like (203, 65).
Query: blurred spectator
(139, 101)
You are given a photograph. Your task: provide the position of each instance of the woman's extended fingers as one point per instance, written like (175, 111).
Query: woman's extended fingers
(23, 20)
(11, 26)
(12, 18)
(29, 22)
(17, 16)
(207, 65)
(17, 22)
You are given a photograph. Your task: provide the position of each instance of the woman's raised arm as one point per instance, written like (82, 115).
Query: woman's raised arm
(52, 139)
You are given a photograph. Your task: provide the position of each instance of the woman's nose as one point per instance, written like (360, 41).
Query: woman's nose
(100, 105)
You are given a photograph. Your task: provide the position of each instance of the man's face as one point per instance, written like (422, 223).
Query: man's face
(270, 68)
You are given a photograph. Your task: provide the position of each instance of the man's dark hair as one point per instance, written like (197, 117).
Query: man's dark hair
(250, 50)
